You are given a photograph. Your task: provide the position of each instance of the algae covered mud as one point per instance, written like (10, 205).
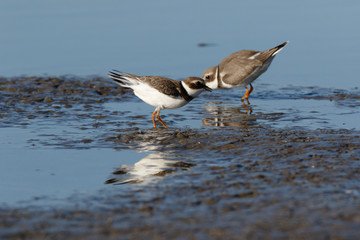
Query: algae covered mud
(80, 159)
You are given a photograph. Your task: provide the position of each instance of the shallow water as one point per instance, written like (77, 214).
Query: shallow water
(52, 151)
(32, 174)
(84, 150)
(79, 156)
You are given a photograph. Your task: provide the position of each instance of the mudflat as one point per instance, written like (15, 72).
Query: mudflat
(236, 175)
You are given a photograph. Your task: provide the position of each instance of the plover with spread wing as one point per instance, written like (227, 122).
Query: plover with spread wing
(161, 92)
(240, 69)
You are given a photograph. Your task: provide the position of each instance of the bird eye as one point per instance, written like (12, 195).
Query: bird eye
(207, 77)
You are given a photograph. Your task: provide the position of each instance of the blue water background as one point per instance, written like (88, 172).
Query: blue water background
(161, 38)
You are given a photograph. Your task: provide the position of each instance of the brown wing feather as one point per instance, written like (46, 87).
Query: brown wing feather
(127, 74)
(245, 54)
(264, 55)
(238, 66)
(164, 85)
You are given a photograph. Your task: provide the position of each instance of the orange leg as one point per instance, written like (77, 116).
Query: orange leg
(247, 93)
(153, 118)
(158, 117)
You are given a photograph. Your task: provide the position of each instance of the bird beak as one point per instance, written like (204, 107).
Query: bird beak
(206, 88)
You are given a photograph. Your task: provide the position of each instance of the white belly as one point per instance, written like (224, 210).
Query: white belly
(157, 99)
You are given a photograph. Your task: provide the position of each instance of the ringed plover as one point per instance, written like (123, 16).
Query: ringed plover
(240, 69)
(161, 92)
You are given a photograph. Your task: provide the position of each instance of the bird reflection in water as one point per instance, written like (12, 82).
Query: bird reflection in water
(229, 116)
(147, 169)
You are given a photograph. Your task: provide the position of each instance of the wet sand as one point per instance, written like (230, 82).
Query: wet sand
(233, 178)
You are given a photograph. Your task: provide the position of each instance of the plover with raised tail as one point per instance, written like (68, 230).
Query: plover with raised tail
(161, 92)
(240, 69)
